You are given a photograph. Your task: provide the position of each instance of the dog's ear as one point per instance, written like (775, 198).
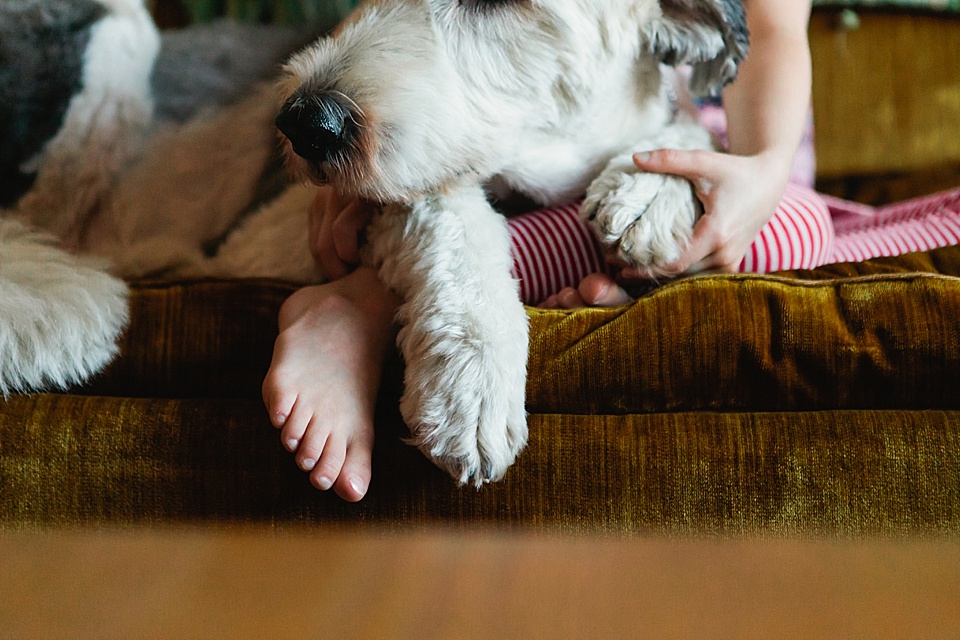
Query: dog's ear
(710, 35)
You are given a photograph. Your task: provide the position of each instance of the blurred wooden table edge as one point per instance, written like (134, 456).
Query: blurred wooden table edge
(348, 583)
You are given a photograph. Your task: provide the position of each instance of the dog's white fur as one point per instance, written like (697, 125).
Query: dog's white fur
(105, 126)
(62, 316)
(545, 98)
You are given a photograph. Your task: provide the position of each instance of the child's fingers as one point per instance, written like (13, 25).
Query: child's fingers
(326, 254)
(346, 230)
(701, 168)
(717, 259)
(702, 244)
(702, 253)
(712, 265)
(315, 217)
(321, 215)
(674, 161)
(697, 251)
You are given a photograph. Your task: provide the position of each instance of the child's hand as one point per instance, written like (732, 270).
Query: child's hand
(336, 222)
(739, 195)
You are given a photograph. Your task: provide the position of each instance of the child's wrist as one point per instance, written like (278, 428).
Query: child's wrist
(777, 161)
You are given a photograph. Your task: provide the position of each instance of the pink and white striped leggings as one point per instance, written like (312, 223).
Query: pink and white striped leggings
(553, 249)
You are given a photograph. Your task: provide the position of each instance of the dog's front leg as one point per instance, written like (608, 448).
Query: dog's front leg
(463, 330)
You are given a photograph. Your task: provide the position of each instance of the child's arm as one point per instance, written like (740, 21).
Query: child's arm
(766, 109)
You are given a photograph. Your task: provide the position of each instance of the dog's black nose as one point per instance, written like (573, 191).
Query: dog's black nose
(318, 125)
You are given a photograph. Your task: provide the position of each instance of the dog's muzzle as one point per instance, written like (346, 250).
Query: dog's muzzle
(319, 126)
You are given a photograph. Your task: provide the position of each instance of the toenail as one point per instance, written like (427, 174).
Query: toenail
(279, 419)
(358, 485)
(324, 483)
(308, 464)
(601, 292)
(291, 444)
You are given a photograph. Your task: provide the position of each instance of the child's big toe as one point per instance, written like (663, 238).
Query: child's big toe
(354, 478)
(352, 488)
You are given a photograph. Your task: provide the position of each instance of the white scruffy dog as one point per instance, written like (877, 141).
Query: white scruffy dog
(423, 102)
(429, 106)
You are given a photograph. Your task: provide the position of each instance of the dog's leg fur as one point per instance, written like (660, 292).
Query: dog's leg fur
(647, 217)
(40, 288)
(464, 331)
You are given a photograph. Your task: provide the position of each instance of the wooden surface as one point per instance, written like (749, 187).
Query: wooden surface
(215, 583)
(886, 95)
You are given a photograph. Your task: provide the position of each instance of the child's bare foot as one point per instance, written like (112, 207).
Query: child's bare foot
(323, 381)
(595, 290)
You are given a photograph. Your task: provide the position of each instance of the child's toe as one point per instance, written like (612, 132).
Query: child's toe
(329, 464)
(279, 403)
(312, 447)
(600, 290)
(294, 428)
(355, 475)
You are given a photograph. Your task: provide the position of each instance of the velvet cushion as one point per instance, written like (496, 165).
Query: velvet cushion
(96, 460)
(876, 334)
(743, 343)
(822, 400)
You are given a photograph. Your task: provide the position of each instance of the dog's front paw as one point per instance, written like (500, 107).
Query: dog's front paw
(646, 218)
(464, 396)
(463, 330)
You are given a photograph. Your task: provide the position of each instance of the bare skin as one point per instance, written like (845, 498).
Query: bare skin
(595, 290)
(322, 385)
(766, 110)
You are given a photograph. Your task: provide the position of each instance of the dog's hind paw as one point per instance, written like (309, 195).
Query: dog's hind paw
(60, 316)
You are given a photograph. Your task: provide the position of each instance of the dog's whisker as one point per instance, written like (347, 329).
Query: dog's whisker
(355, 108)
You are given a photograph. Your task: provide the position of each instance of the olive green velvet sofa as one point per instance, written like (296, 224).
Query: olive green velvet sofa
(824, 401)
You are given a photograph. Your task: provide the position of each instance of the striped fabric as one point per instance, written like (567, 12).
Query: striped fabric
(920, 224)
(553, 249)
(799, 236)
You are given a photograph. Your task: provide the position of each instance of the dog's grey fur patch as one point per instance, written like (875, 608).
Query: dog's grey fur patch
(217, 64)
(42, 43)
(710, 35)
